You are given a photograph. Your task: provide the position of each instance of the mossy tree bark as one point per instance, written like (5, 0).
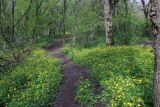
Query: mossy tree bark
(108, 11)
(155, 19)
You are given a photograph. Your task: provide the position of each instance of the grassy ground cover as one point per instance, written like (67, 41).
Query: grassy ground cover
(31, 84)
(125, 74)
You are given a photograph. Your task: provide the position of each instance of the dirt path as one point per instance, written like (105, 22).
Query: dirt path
(72, 73)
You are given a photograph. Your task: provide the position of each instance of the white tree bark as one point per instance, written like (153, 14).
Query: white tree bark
(108, 11)
(155, 19)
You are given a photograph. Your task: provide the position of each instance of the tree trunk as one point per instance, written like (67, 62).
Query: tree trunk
(108, 11)
(64, 20)
(74, 30)
(155, 19)
(0, 10)
(126, 22)
(147, 29)
(145, 10)
(74, 40)
(13, 18)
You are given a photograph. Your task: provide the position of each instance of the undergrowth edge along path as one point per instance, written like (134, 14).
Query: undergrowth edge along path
(72, 72)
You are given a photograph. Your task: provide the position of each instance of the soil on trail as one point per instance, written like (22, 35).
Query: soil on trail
(72, 73)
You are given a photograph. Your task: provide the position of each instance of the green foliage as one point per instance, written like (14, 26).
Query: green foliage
(32, 84)
(41, 16)
(85, 94)
(128, 27)
(32, 20)
(82, 15)
(83, 20)
(122, 91)
(124, 72)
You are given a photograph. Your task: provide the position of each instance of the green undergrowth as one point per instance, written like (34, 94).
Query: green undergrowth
(44, 41)
(125, 74)
(85, 95)
(31, 84)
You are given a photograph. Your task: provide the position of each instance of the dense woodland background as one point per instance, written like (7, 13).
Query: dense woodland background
(26, 22)
(28, 25)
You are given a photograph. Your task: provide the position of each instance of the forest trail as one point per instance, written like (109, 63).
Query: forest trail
(72, 73)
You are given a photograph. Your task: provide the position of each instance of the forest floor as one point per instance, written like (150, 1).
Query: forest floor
(72, 72)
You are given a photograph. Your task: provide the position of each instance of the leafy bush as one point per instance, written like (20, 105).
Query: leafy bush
(85, 93)
(124, 72)
(31, 84)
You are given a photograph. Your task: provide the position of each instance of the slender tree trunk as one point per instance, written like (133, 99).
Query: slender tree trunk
(74, 34)
(147, 30)
(74, 30)
(37, 21)
(108, 11)
(0, 15)
(0, 19)
(155, 19)
(126, 22)
(74, 40)
(36, 31)
(64, 20)
(13, 18)
(145, 10)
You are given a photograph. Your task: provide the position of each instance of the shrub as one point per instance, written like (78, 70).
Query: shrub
(31, 84)
(85, 94)
(124, 72)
